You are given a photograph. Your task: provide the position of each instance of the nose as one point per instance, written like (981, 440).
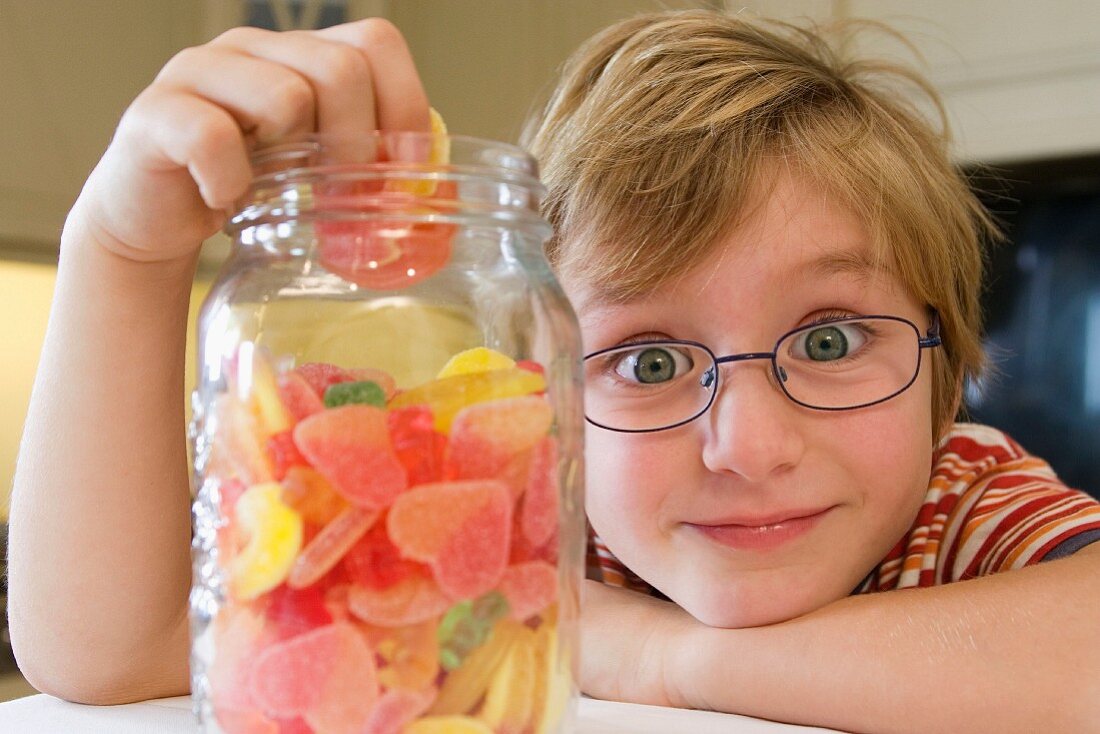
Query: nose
(752, 428)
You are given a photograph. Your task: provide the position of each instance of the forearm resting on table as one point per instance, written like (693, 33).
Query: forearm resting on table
(100, 528)
(1014, 652)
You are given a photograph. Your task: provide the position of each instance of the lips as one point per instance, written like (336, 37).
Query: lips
(761, 532)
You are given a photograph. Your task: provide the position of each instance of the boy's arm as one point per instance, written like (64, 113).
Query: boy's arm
(1012, 652)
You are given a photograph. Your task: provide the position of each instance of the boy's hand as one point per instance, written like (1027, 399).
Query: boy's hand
(179, 159)
(629, 644)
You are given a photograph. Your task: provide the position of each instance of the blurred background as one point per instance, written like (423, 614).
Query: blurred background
(1021, 81)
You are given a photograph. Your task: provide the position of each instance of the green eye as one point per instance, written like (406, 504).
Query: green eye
(826, 344)
(655, 365)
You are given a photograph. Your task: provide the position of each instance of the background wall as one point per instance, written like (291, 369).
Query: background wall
(1021, 79)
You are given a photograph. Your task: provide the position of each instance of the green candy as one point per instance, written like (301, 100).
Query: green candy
(466, 626)
(349, 393)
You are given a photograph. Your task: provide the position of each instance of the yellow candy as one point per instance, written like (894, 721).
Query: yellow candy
(478, 359)
(274, 533)
(449, 395)
(510, 698)
(440, 154)
(447, 725)
(271, 415)
(549, 693)
(464, 687)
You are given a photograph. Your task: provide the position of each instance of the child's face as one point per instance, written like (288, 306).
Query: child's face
(756, 457)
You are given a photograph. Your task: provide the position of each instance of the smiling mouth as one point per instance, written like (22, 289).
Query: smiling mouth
(760, 535)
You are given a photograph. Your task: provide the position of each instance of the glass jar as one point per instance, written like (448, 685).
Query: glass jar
(387, 443)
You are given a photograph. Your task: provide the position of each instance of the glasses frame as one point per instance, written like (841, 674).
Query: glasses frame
(930, 340)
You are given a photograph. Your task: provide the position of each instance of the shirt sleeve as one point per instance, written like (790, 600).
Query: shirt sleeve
(1014, 511)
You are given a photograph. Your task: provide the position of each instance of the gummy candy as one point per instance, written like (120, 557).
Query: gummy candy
(487, 436)
(508, 701)
(294, 611)
(374, 561)
(238, 633)
(478, 359)
(466, 626)
(237, 448)
(550, 691)
(538, 512)
(464, 687)
(245, 721)
(329, 546)
(274, 533)
(264, 397)
(461, 529)
(411, 601)
(351, 690)
(311, 495)
(283, 454)
(351, 447)
(299, 397)
(447, 725)
(529, 588)
(419, 447)
(449, 395)
(411, 655)
(396, 708)
(365, 392)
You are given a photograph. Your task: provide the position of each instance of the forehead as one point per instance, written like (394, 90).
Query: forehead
(792, 233)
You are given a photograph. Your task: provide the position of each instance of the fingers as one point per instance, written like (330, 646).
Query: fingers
(400, 100)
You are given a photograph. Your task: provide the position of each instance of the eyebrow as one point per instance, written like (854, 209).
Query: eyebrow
(846, 262)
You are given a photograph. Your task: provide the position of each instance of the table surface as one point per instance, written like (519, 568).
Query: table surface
(47, 715)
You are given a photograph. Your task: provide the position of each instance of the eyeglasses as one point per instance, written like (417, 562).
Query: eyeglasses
(837, 364)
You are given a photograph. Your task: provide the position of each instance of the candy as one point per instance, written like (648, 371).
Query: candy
(233, 721)
(448, 725)
(311, 495)
(351, 447)
(365, 392)
(237, 448)
(291, 612)
(538, 514)
(299, 397)
(439, 153)
(487, 437)
(274, 534)
(329, 546)
(396, 708)
(449, 395)
(551, 686)
(478, 359)
(374, 561)
(419, 447)
(509, 699)
(411, 655)
(283, 454)
(263, 393)
(461, 529)
(411, 601)
(529, 588)
(464, 687)
(466, 626)
(349, 694)
(238, 635)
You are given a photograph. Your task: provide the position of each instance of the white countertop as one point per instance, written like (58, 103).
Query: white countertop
(47, 715)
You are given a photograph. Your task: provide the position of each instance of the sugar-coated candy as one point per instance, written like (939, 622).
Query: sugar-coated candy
(466, 626)
(326, 549)
(364, 392)
(413, 600)
(263, 395)
(486, 437)
(350, 691)
(396, 708)
(529, 588)
(239, 634)
(539, 507)
(311, 495)
(238, 449)
(291, 612)
(448, 725)
(375, 562)
(461, 530)
(299, 397)
(410, 654)
(463, 688)
(283, 454)
(274, 533)
(351, 447)
(419, 447)
(245, 721)
(551, 683)
(511, 693)
(449, 395)
(478, 359)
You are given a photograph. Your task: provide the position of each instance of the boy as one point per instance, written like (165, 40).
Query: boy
(776, 273)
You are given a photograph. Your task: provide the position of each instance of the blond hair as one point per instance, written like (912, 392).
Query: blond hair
(661, 124)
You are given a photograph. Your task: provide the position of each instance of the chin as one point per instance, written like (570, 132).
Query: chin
(734, 609)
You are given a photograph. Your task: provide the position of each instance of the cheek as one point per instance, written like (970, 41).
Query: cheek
(626, 483)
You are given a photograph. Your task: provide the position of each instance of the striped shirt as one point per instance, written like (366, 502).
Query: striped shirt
(990, 507)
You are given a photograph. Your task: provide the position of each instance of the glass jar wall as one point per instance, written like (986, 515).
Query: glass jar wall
(387, 448)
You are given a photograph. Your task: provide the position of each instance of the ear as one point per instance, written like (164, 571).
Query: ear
(952, 415)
